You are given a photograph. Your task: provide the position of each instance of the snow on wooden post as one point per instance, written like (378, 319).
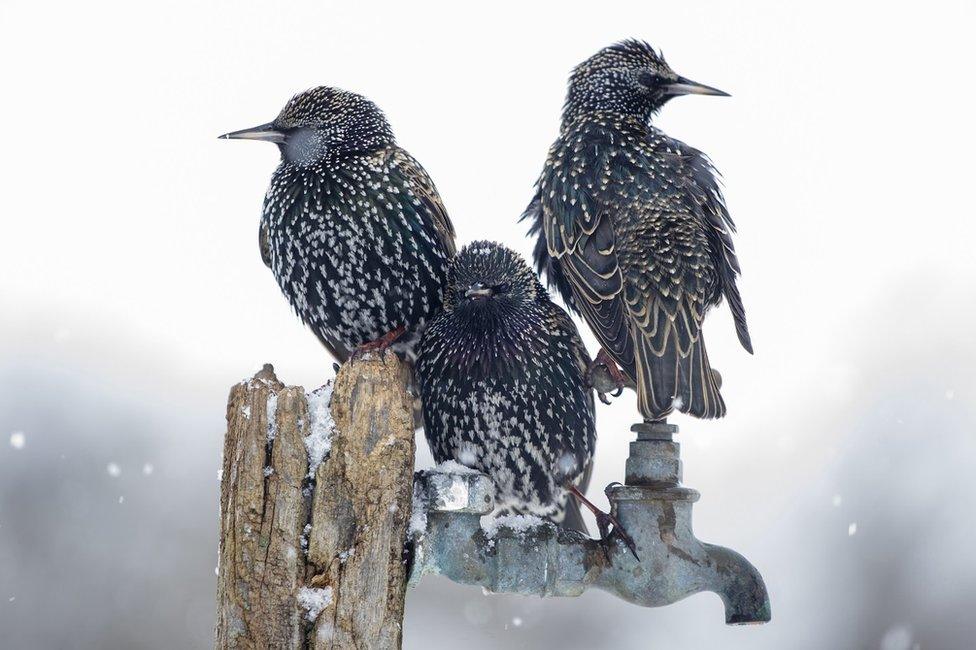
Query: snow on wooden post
(315, 502)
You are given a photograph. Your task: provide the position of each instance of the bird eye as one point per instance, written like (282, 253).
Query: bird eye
(502, 288)
(648, 79)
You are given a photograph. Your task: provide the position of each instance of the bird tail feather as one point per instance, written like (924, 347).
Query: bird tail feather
(573, 517)
(698, 388)
(669, 381)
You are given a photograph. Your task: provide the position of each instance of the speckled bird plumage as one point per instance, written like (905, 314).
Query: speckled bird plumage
(633, 230)
(503, 386)
(352, 226)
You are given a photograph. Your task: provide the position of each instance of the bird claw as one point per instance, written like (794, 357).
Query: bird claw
(607, 524)
(602, 396)
(379, 345)
(605, 377)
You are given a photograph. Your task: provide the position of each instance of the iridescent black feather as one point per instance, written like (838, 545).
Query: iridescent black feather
(502, 378)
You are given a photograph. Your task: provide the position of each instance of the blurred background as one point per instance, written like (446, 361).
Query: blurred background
(132, 296)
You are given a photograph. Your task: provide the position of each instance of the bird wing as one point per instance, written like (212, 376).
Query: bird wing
(264, 243)
(422, 184)
(704, 197)
(566, 331)
(590, 266)
(668, 277)
(546, 265)
(678, 260)
(338, 351)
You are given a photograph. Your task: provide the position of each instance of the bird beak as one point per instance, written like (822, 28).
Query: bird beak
(682, 86)
(478, 291)
(265, 132)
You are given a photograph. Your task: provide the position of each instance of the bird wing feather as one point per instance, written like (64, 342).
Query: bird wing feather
(422, 184)
(566, 330)
(704, 196)
(591, 267)
(264, 243)
(545, 264)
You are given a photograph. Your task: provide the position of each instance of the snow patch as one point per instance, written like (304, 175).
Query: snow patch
(318, 442)
(518, 523)
(453, 467)
(313, 601)
(418, 516)
(272, 410)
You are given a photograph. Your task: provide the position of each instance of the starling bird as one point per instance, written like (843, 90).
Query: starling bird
(353, 228)
(633, 230)
(502, 378)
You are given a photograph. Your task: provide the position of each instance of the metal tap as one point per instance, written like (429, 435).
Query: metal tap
(545, 560)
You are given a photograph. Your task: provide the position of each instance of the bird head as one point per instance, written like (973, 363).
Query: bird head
(323, 124)
(629, 77)
(488, 279)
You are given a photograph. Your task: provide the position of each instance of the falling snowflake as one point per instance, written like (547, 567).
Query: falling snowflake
(113, 470)
(147, 469)
(567, 465)
(517, 622)
(17, 439)
(898, 637)
(468, 456)
(837, 500)
(852, 529)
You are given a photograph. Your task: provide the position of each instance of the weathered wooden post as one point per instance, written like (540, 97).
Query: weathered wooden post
(315, 502)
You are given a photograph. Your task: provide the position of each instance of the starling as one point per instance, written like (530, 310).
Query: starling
(352, 227)
(502, 378)
(633, 230)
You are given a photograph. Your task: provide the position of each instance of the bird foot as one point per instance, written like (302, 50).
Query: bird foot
(605, 377)
(380, 344)
(607, 524)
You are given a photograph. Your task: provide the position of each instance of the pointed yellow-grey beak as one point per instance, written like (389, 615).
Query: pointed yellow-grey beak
(682, 86)
(263, 132)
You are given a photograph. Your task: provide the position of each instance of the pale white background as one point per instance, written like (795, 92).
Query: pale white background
(132, 296)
